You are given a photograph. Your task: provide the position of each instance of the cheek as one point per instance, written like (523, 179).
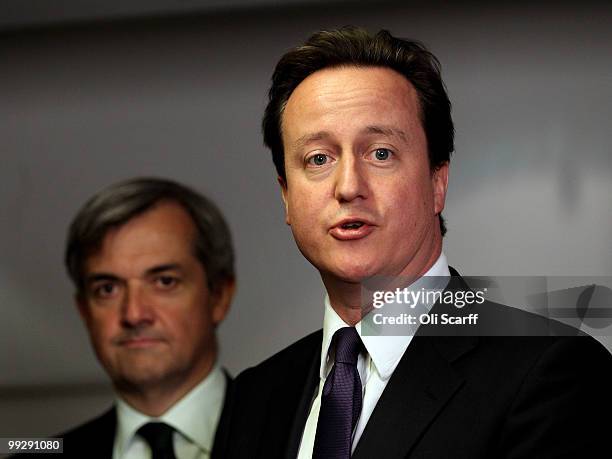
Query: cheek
(307, 228)
(304, 213)
(102, 331)
(102, 327)
(410, 208)
(193, 319)
(193, 335)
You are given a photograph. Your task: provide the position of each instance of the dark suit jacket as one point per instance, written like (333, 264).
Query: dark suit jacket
(95, 439)
(449, 397)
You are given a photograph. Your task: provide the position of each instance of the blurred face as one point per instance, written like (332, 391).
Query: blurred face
(359, 195)
(149, 312)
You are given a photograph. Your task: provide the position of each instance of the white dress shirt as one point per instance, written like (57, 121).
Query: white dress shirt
(375, 366)
(194, 418)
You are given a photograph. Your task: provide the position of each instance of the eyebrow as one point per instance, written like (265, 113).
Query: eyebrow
(98, 277)
(313, 137)
(374, 129)
(387, 131)
(162, 268)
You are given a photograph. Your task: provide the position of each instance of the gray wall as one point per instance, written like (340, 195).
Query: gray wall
(84, 106)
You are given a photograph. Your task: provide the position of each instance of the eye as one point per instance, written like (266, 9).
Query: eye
(318, 159)
(106, 290)
(382, 154)
(166, 282)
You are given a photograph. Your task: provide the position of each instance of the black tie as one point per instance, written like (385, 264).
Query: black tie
(340, 400)
(159, 437)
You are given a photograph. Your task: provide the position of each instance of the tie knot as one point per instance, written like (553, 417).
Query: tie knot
(159, 437)
(348, 345)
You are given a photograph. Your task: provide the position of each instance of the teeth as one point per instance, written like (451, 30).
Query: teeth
(352, 225)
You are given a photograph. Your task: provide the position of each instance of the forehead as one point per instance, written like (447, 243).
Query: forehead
(164, 233)
(331, 97)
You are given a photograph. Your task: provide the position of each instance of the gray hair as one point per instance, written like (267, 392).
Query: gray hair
(119, 203)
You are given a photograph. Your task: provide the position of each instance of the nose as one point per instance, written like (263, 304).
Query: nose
(135, 310)
(351, 181)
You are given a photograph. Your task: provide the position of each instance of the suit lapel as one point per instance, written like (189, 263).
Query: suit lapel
(94, 439)
(220, 441)
(420, 387)
(103, 435)
(110, 420)
(292, 396)
(303, 408)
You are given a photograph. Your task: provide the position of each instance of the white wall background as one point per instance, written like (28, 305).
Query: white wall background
(182, 97)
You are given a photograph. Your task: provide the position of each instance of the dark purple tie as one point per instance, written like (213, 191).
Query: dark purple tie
(341, 399)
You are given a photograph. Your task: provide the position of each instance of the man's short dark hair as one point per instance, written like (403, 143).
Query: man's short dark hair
(354, 46)
(116, 205)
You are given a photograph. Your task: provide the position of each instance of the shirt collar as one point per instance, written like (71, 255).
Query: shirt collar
(195, 416)
(385, 351)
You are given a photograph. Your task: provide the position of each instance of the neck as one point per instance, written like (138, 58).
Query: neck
(155, 399)
(345, 296)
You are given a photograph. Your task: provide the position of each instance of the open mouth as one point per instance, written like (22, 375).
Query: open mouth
(351, 229)
(352, 225)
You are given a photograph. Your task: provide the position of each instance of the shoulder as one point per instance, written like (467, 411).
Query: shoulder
(562, 392)
(534, 338)
(93, 439)
(575, 354)
(267, 394)
(97, 428)
(580, 357)
(528, 354)
(520, 345)
(298, 353)
(290, 366)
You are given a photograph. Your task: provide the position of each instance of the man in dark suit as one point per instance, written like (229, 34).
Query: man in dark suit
(153, 265)
(361, 135)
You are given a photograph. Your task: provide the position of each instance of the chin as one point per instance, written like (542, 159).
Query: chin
(353, 272)
(152, 377)
(345, 265)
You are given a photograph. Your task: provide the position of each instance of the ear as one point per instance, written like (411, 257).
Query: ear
(222, 299)
(283, 185)
(439, 181)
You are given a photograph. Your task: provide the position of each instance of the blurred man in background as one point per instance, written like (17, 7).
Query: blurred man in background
(153, 266)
